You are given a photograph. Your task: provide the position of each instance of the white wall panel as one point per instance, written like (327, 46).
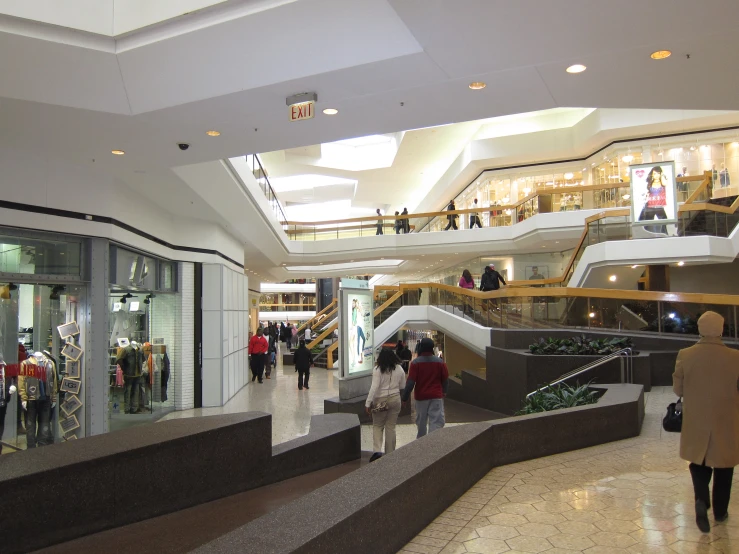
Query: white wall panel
(212, 383)
(212, 287)
(212, 335)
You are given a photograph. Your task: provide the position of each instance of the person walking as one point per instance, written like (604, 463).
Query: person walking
(289, 336)
(398, 348)
(491, 279)
(294, 334)
(258, 348)
(308, 335)
(380, 223)
(475, 216)
(303, 359)
(406, 222)
(466, 281)
(405, 356)
(398, 223)
(383, 400)
(452, 218)
(707, 378)
(429, 376)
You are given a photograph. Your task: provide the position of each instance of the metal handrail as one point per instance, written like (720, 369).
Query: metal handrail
(627, 369)
(266, 180)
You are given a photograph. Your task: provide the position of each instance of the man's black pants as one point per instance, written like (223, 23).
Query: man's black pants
(303, 376)
(721, 486)
(257, 365)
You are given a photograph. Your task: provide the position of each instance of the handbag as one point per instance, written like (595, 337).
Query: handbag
(673, 420)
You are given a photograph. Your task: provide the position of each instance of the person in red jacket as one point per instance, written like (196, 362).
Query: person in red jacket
(429, 375)
(258, 347)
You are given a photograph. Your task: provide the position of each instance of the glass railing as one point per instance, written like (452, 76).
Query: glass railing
(695, 189)
(515, 308)
(287, 307)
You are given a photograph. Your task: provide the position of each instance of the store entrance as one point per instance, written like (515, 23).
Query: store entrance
(143, 332)
(33, 366)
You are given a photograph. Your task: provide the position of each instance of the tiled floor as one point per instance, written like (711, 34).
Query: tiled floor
(291, 408)
(629, 497)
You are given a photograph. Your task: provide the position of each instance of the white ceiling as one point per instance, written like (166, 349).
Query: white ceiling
(387, 65)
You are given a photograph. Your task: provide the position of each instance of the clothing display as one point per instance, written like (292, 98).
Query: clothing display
(37, 388)
(131, 361)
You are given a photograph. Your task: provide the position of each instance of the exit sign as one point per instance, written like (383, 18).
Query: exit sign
(305, 110)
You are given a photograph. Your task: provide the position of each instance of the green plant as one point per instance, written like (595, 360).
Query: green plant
(580, 346)
(458, 375)
(558, 397)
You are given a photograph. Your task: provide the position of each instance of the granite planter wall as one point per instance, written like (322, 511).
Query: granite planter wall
(382, 506)
(109, 480)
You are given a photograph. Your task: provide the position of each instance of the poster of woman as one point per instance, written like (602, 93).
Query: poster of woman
(653, 196)
(360, 331)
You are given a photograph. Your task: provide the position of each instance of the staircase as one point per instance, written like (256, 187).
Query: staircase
(706, 222)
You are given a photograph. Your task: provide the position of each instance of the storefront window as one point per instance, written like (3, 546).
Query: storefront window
(143, 335)
(29, 256)
(715, 152)
(42, 343)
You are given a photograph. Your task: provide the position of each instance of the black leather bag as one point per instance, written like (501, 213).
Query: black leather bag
(673, 420)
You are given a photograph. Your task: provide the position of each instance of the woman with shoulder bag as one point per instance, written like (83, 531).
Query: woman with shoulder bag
(383, 400)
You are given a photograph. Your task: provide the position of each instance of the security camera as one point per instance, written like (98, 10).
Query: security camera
(183, 146)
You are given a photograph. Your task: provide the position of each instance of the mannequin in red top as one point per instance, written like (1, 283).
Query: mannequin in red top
(258, 347)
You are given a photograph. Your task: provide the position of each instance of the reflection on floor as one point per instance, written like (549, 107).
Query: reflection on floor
(633, 496)
(291, 408)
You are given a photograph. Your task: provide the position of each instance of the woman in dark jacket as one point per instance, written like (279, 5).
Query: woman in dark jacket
(303, 359)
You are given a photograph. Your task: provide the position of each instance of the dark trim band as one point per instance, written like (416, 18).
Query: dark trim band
(111, 221)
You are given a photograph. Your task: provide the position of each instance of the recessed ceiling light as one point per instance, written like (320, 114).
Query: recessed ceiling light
(634, 266)
(117, 152)
(661, 54)
(477, 85)
(330, 111)
(681, 264)
(612, 278)
(577, 68)
(213, 133)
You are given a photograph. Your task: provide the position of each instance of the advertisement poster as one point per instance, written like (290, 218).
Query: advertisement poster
(653, 199)
(357, 313)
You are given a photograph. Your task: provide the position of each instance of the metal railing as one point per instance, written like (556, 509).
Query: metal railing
(260, 174)
(627, 369)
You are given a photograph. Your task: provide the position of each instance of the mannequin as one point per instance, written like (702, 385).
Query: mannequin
(6, 389)
(38, 391)
(724, 177)
(131, 360)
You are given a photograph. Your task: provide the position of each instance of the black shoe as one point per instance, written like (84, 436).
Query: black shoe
(701, 516)
(721, 519)
(300, 388)
(253, 378)
(307, 387)
(375, 456)
(261, 382)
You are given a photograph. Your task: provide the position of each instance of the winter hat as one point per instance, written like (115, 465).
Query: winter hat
(711, 324)
(427, 345)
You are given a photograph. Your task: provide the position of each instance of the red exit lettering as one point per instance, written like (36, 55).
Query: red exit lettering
(301, 111)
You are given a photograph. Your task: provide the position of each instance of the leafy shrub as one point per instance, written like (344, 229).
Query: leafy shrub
(558, 397)
(580, 346)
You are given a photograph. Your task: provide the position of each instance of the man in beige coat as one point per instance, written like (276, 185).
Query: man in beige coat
(707, 377)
